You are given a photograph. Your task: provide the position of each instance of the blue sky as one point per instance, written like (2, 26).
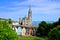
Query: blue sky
(47, 10)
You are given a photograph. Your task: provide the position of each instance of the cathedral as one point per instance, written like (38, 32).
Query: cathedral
(26, 21)
(25, 25)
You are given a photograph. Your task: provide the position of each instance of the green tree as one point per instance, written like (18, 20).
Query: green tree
(55, 24)
(10, 21)
(41, 31)
(54, 34)
(6, 33)
(44, 29)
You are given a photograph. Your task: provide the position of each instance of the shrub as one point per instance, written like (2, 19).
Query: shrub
(6, 33)
(54, 34)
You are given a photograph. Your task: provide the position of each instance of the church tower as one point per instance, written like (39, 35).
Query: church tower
(30, 17)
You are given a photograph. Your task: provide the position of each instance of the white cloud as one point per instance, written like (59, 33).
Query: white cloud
(20, 9)
(39, 5)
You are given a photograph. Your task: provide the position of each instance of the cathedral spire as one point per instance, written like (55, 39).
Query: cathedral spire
(30, 12)
(30, 15)
(30, 8)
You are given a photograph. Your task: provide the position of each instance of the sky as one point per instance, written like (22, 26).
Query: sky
(42, 10)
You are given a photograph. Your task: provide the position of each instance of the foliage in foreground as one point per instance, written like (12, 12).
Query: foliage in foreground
(44, 28)
(54, 34)
(6, 33)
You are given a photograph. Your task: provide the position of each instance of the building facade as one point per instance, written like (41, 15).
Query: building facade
(26, 21)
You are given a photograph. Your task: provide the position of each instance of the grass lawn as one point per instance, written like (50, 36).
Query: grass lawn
(29, 38)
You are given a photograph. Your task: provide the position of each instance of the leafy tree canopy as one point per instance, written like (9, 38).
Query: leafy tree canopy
(6, 32)
(54, 34)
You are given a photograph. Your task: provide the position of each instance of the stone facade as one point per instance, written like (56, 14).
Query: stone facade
(26, 21)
